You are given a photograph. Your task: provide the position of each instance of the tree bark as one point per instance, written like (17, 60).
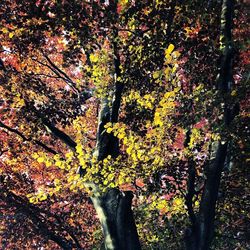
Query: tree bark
(200, 235)
(114, 207)
(116, 216)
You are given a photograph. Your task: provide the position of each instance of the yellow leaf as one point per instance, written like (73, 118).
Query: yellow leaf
(129, 150)
(169, 94)
(234, 93)
(125, 140)
(109, 130)
(82, 161)
(58, 188)
(176, 54)
(35, 155)
(11, 34)
(177, 201)
(156, 74)
(58, 163)
(93, 58)
(161, 205)
(77, 177)
(79, 149)
(48, 164)
(107, 125)
(157, 119)
(121, 135)
(4, 30)
(57, 182)
(169, 49)
(40, 159)
(69, 155)
(42, 197)
(33, 200)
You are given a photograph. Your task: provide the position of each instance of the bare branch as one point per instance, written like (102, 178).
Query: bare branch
(59, 71)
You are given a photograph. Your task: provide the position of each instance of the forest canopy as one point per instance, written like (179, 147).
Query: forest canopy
(124, 124)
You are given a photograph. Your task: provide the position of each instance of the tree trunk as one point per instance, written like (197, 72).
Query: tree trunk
(116, 216)
(199, 237)
(200, 234)
(114, 207)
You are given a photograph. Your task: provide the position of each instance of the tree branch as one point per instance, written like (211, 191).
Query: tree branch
(68, 82)
(59, 71)
(28, 210)
(59, 133)
(39, 143)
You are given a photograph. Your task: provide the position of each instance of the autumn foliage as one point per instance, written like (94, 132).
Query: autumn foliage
(127, 97)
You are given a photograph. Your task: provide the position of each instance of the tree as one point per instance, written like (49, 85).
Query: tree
(142, 66)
